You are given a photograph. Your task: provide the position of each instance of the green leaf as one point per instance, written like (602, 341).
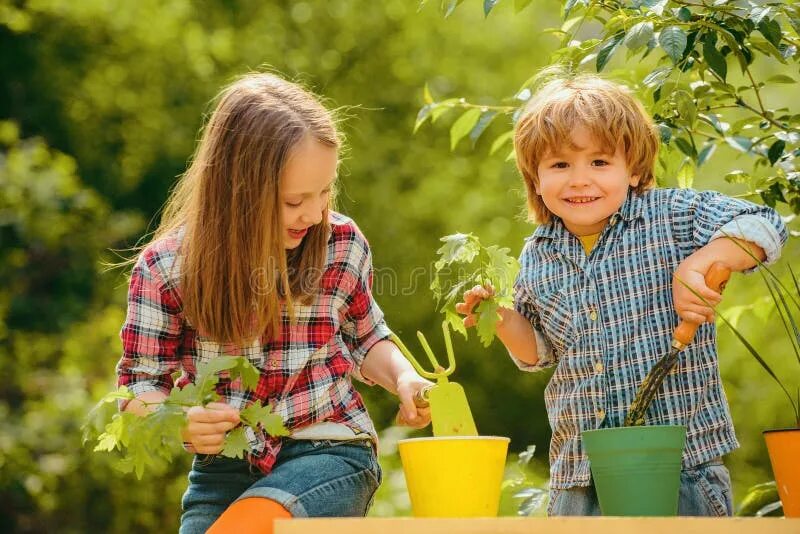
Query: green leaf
(665, 132)
(188, 395)
(684, 14)
(657, 77)
(776, 151)
(488, 5)
(781, 78)
(607, 50)
(501, 268)
(463, 126)
(486, 119)
(771, 30)
(456, 322)
(684, 103)
(423, 115)
(568, 5)
(686, 147)
(705, 153)
(236, 444)
(737, 177)
(742, 144)
(656, 6)
(427, 98)
(673, 40)
(487, 321)
(261, 415)
(458, 248)
(500, 141)
(519, 5)
(757, 14)
(247, 372)
(639, 35)
(686, 174)
(715, 61)
(214, 366)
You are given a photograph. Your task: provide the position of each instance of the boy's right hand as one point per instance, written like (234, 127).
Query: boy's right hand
(207, 425)
(472, 298)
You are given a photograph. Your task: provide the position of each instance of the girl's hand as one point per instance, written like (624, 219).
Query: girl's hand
(207, 425)
(472, 298)
(408, 384)
(689, 306)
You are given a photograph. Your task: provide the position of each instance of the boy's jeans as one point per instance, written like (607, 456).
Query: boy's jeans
(310, 479)
(705, 491)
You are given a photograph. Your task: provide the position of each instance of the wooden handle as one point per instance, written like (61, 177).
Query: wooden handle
(716, 278)
(420, 400)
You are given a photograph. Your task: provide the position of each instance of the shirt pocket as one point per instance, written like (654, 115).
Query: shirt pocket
(558, 319)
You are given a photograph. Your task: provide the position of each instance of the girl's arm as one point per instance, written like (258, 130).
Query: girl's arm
(384, 364)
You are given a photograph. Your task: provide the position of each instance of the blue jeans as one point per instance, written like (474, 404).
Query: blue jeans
(705, 491)
(310, 479)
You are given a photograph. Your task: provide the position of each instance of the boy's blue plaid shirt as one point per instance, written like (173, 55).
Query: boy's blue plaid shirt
(605, 319)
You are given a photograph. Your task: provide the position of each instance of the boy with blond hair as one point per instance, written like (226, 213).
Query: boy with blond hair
(597, 295)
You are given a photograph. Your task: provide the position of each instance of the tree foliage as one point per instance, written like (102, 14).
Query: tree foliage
(708, 85)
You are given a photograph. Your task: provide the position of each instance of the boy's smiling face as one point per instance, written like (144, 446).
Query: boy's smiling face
(583, 184)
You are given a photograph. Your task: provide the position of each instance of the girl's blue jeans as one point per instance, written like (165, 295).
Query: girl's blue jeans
(310, 479)
(705, 491)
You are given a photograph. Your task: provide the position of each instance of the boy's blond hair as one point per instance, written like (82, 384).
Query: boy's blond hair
(613, 117)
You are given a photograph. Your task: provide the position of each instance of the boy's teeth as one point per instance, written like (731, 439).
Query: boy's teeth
(581, 200)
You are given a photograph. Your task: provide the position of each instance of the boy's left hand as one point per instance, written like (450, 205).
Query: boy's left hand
(689, 306)
(410, 414)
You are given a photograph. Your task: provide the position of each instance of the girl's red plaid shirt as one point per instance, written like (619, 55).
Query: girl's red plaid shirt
(304, 372)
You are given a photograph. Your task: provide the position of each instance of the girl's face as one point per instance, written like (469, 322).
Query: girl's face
(586, 185)
(306, 184)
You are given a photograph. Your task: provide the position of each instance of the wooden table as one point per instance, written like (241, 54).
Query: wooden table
(556, 525)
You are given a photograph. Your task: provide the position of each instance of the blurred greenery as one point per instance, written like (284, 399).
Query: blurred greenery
(100, 104)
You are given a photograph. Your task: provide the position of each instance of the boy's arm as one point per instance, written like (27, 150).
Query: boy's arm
(517, 335)
(514, 330)
(737, 254)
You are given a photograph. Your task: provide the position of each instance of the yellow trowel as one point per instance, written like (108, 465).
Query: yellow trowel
(450, 413)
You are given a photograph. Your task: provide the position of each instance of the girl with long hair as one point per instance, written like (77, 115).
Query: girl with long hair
(250, 260)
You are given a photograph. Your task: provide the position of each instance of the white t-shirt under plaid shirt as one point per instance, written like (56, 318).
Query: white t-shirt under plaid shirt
(604, 319)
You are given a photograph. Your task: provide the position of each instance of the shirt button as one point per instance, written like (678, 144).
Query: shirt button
(601, 414)
(273, 364)
(598, 367)
(593, 315)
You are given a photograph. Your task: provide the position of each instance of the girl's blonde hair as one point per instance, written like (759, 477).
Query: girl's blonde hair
(613, 117)
(234, 269)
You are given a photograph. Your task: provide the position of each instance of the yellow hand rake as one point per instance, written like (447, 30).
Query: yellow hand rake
(450, 413)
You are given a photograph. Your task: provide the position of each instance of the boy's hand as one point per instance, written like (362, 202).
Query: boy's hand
(410, 414)
(689, 306)
(207, 425)
(472, 298)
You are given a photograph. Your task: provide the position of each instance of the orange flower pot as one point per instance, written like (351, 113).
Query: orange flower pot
(784, 454)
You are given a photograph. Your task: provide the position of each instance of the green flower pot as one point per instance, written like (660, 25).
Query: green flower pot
(636, 470)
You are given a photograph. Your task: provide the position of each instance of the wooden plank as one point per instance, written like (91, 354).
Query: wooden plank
(554, 525)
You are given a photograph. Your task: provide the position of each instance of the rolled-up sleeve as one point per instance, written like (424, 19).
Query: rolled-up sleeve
(152, 332)
(523, 303)
(702, 216)
(759, 230)
(363, 324)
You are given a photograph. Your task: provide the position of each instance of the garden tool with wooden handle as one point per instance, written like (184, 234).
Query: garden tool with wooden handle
(450, 413)
(716, 278)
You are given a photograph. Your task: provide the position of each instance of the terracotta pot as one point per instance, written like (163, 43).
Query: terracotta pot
(784, 451)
